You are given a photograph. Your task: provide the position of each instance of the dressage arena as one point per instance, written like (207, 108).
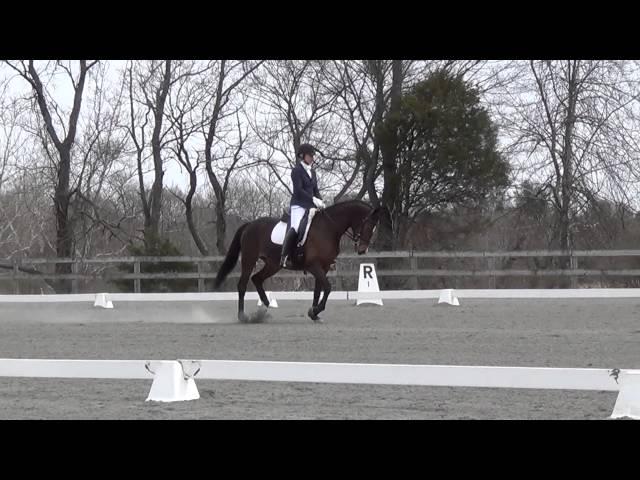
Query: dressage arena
(535, 332)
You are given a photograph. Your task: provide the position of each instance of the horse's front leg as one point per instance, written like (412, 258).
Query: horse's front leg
(316, 293)
(322, 283)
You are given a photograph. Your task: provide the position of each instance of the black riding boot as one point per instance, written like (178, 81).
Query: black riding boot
(288, 245)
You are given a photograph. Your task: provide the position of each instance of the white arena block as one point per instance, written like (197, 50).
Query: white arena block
(170, 384)
(628, 401)
(448, 298)
(368, 282)
(102, 301)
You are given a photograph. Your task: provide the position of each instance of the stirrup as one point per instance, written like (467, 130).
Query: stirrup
(287, 262)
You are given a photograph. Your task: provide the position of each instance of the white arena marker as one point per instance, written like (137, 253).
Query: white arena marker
(170, 384)
(102, 301)
(628, 401)
(368, 282)
(448, 298)
(273, 303)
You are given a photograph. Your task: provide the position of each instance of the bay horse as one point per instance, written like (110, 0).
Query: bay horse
(253, 241)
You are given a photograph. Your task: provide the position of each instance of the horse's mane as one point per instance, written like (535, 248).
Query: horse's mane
(351, 202)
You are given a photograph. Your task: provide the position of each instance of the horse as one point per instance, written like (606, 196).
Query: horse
(253, 241)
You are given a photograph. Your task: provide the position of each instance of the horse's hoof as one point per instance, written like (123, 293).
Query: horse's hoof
(261, 315)
(242, 317)
(313, 316)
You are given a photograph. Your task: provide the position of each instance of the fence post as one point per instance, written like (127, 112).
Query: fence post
(574, 266)
(16, 272)
(74, 271)
(413, 262)
(491, 264)
(200, 279)
(136, 281)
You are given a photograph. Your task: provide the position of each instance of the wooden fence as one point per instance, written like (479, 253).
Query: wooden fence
(579, 266)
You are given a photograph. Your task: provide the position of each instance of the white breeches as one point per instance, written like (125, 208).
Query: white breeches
(296, 215)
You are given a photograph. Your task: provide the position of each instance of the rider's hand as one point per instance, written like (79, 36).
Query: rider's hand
(318, 202)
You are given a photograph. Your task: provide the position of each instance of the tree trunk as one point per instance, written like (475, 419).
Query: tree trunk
(64, 227)
(152, 224)
(202, 247)
(567, 157)
(388, 149)
(221, 226)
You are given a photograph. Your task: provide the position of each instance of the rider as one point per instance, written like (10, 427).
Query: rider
(305, 196)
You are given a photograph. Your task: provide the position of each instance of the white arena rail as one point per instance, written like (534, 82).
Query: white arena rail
(506, 293)
(45, 368)
(158, 297)
(337, 295)
(174, 380)
(420, 375)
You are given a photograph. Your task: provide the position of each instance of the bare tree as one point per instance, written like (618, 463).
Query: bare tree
(222, 156)
(368, 91)
(356, 90)
(186, 123)
(256, 193)
(294, 101)
(150, 90)
(101, 155)
(25, 225)
(572, 122)
(12, 137)
(63, 144)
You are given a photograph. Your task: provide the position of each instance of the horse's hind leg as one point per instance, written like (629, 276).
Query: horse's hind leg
(242, 289)
(270, 268)
(248, 262)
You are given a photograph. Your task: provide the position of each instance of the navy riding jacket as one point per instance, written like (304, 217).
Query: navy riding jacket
(304, 187)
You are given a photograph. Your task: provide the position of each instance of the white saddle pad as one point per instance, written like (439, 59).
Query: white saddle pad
(280, 230)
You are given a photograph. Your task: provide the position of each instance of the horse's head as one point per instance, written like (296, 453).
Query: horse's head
(367, 231)
(355, 216)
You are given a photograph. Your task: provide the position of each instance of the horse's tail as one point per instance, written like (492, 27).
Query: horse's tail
(231, 259)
